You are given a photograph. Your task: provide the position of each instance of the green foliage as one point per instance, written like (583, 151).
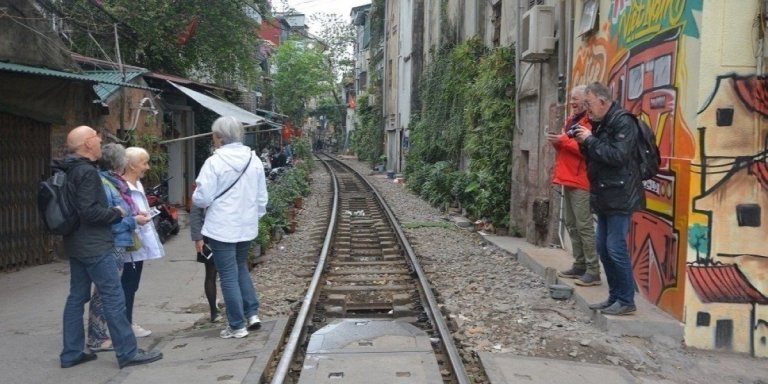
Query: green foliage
(438, 135)
(429, 224)
(303, 73)
(338, 36)
(302, 149)
(468, 113)
(377, 23)
(152, 34)
(283, 192)
(368, 136)
(333, 112)
(489, 139)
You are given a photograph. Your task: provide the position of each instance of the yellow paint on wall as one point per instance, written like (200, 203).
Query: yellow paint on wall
(727, 34)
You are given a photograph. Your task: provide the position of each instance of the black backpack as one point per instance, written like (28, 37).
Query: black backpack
(648, 157)
(54, 200)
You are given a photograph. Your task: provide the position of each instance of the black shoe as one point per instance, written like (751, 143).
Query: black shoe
(601, 305)
(617, 309)
(142, 357)
(84, 358)
(572, 273)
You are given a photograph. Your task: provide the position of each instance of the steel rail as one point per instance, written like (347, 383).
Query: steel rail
(435, 313)
(293, 340)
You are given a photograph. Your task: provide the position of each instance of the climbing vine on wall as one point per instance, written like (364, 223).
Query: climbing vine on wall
(488, 144)
(368, 136)
(468, 114)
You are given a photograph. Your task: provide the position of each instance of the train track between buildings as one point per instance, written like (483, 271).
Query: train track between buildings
(369, 314)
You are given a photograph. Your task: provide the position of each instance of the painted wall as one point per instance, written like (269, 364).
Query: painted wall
(730, 198)
(694, 248)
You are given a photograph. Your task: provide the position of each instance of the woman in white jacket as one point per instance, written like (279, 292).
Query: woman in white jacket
(151, 247)
(232, 186)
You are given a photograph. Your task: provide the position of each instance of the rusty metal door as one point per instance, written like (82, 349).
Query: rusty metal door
(25, 152)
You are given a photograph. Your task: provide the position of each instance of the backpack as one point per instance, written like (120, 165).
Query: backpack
(648, 157)
(54, 200)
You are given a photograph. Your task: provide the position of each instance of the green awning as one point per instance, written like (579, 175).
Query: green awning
(96, 77)
(111, 81)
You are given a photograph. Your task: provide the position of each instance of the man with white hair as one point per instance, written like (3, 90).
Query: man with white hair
(571, 172)
(616, 191)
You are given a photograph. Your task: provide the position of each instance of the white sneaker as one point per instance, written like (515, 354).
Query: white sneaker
(254, 322)
(229, 333)
(139, 331)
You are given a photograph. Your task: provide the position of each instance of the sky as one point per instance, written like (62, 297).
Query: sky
(309, 7)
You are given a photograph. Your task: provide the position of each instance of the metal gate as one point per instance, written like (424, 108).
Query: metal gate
(25, 152)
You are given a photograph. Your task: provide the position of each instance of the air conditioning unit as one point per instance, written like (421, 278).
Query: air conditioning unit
(537, 33)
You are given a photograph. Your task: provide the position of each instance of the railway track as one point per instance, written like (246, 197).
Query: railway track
(369, 315)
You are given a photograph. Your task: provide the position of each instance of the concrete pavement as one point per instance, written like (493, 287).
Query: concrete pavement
(169, 302)
(646, 322)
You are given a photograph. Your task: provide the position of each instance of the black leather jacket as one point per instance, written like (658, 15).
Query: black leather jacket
(612, 165)
(94, 235)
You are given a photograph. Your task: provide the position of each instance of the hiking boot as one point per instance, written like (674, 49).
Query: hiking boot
(588, 280)
(617, 309)
(142, 357)
(601, 305)
(573, 273)
(254, 323)
(229, 333)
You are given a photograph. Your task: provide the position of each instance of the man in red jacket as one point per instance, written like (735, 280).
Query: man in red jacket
(571, 173)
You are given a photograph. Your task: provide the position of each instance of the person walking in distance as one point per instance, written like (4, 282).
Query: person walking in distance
(232, 188)
(92, 258)
(616, 191)
(571, 173)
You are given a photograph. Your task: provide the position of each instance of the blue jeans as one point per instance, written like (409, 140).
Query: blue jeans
(103, 272)
(231, 261)
(611, 242)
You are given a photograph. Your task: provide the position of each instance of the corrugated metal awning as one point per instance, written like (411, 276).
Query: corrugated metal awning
(38, 71)
(221, 107)
(111, 81)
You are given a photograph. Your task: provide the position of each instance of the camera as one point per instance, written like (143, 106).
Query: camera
(571, 132)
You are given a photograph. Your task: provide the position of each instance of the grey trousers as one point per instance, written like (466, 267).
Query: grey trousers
(581, 228)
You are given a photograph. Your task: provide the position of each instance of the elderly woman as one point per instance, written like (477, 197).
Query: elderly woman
(151, 248)
(231, 185)
(112, 164)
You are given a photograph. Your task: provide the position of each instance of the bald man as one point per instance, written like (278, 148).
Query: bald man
(92, 258)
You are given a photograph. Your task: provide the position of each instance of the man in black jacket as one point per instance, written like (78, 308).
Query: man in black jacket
(616, 190)
(92, 258)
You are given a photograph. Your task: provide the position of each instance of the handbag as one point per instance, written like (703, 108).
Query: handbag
(136, 242)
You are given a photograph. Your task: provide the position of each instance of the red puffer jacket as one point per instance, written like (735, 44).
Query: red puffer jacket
(570, 166)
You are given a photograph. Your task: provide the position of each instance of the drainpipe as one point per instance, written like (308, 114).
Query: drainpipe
(565, 34)
(385, 79)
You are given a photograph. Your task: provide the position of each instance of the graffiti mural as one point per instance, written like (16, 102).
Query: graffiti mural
(734, 198)
(636, 52)
(695, 249)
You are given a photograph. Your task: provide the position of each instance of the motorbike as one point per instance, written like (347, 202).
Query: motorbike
(164, 215)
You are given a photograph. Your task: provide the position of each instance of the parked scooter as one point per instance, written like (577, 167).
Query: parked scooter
(164, 215)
